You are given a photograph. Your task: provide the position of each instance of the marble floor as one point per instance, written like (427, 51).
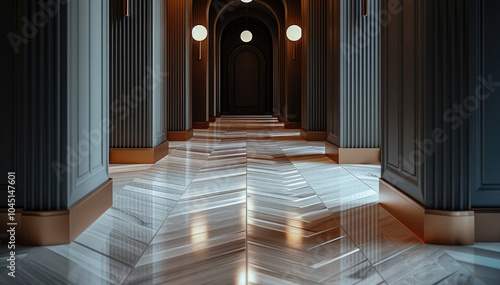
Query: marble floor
(249, 202)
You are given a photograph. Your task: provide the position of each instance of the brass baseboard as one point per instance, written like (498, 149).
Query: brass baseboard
(430, 226)
(138, 155)
(293, 125)
(487, 225)
(62, 227)
(180, 136)
(201, 125)
(212, 119)
(449, 227)
(408, 212)
(313, 136)
(352, 155)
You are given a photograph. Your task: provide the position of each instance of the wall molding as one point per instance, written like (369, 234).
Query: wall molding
(293, 125)
(352, 155)
(62, 227)
(440, 226)
(201, 125)
(487, 227)
(312, 136)
(180, 135)
(138, 155)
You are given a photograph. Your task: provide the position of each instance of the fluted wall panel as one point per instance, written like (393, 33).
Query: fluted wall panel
(314, 64)
(42, 97)
(178, 49)
(359, 75)
(9, 152)
(447, 84)
(425, 76)
(63, 105)
(131, 75)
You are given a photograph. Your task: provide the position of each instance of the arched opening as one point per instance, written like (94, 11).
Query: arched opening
(246, 70)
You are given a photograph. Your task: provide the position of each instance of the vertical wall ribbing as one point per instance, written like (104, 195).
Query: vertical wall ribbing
(63, 101)
(447, 85)
(131, 75)
(425, 77)
(41, 109)
(359, 82)
(178, 58)
(314, 79)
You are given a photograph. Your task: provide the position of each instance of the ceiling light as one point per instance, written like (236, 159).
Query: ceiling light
(246, 36)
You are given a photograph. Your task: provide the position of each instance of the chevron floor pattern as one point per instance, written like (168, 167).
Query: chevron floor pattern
(248, 202)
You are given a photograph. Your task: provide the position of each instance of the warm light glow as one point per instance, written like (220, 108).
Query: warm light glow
(294, 33)
(246, 1)
(246, 36)
(199, 33)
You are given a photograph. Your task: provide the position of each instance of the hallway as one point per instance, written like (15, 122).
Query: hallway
(249, 202)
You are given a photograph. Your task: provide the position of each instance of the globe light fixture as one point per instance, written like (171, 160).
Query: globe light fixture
(246, 36)
(246, 1)
(294, 33)
(199, 34)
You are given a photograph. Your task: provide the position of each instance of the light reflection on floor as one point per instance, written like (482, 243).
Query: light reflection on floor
(248, 202)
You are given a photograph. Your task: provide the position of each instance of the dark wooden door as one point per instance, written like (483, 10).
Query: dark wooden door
(247, 81)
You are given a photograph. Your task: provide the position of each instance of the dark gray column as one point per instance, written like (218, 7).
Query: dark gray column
(314, 67)
(8, 116)
(423, 75)
(138, 77)
(440, 78)
(354, 119)
(62, 106)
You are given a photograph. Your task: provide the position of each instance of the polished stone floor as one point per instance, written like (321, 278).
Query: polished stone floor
(248, 202)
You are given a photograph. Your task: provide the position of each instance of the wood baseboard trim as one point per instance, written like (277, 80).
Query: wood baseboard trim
(352, 155)
(138, 155)
(201, 125)
(180, 136)
(212, 119)
(430, 226)
(408, 212)
(313, 136)
(293, 125)
(62, 227)
(487, 225)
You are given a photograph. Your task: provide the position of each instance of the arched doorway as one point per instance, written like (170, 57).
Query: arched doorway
(246, 70)
(247, 81)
